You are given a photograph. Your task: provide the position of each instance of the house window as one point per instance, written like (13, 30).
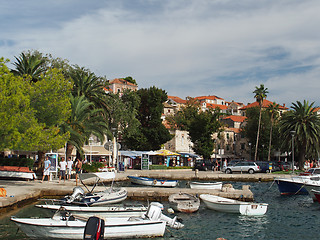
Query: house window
(227, 135)
(228, 147)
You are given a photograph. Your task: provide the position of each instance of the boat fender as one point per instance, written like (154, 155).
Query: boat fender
(154, 182)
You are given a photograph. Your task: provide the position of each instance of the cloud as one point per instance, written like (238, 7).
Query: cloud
(188, 48)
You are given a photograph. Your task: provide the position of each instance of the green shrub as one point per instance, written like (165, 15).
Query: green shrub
(180, 167)
(154, 167)
(92, 167)
(19, 162)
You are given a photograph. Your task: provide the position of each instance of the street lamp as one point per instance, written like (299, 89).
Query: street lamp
(250, 149)
(90, 144)
(262, 152)
(292, 135)
(114, 150)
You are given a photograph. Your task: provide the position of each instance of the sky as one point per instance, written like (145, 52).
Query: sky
(185, 47)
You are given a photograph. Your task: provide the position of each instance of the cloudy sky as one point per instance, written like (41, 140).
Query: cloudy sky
(186, 47)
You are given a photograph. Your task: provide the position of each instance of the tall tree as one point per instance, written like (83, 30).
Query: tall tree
(200, 126)
(303, 119)
(83, 122)
(89, 85)
(273, 110)
(260, 95)
(152, 133)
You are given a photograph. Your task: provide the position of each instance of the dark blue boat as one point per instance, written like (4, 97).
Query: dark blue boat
(291, 186)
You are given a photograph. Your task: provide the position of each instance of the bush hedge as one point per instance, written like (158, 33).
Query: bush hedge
(163, 167)
(15, 161)
(92, 167)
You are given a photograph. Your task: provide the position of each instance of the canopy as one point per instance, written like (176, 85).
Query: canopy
(100, 175)
(164, 152)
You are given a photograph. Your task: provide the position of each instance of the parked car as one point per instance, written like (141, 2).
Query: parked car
(234, 161)
(284, 166)
(250, 167)
(264, 166)
(204, 165)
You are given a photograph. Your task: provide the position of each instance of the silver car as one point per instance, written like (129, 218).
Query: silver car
(250, 167)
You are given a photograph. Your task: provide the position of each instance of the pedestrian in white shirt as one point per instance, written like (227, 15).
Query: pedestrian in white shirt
(63, 166)
(69, 167)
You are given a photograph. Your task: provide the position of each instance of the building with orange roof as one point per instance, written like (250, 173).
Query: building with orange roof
(118, 85)
(265, 104)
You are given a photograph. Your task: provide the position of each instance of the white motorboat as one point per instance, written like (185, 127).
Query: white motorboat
(184, 202)
(13, 172)
(91, 198)
(65, 226)
(153, 181)
(206, 185)
(233, 206)
(105, 211)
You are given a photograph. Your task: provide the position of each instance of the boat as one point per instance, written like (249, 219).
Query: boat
(68, 226)
(80, 197)
(184, 202)
(13, 172)
(222, 204)
(105, 211)
(316, 194)
(206, 185)
(297, 184)
(312, 185)
(153, 181)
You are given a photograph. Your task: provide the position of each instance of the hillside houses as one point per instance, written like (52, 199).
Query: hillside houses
(230, 143)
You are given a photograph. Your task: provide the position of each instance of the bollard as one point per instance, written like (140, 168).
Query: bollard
(196, 172)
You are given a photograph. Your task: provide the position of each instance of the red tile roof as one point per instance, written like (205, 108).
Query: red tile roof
(207, 97)
(122, 81)
(236, 118)
(265, 104)
(214, 106)
(177, 99)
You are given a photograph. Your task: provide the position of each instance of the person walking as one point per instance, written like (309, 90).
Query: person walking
(63, 166)
(78, 169)
(69, 168)
(46, 170)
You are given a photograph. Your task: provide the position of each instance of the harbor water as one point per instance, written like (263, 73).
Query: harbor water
(288, 217)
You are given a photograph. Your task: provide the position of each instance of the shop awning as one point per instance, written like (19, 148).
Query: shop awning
(164, 152)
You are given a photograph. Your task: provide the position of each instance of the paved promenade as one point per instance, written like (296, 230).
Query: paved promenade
(22, 192)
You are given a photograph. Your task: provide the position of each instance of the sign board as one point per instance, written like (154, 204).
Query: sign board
(53, 157)
(144, 162)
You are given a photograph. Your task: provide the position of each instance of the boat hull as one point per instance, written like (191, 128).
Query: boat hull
(291, 186)
(206, 185)
(153, 182)
(233, 206)
(312, 193)
(114, 229)
(105, 212)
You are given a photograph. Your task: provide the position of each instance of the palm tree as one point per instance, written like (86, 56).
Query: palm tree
(31, 64)
(83, 122)
(273, 110)
(303, 119)
(88, 84)
(260, 95)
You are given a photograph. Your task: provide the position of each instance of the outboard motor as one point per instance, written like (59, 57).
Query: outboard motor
(94, 229)
(154, 211)
(77, 192)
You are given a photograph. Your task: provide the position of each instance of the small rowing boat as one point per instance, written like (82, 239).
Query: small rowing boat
(153, 181)
(184, 202)
(206, 185)
(222, 204)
